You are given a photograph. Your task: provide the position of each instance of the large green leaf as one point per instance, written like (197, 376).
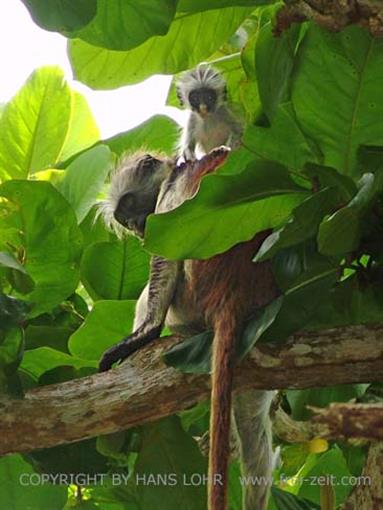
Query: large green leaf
(168, 450)
(350, 302)
(274, 59)
(272, 143)
(227, 209)
(108, 323)
(17, 490)
(338, 93)
(302, 225)
(38, 361)
(125, 269)
(50, 239)
(124, 24)
(341, 232)
(84, 179)
(61, 15)
(83, 131)
(44, 123)
(329, 463)
(159, 133)
(189, 40)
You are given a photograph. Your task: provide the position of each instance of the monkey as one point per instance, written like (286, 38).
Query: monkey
(211, 124)
(193, 295)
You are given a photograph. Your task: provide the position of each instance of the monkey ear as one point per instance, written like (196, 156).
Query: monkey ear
(179, 96)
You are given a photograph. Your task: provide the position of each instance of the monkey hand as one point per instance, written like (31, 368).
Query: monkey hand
(128, 346)
(115, 354)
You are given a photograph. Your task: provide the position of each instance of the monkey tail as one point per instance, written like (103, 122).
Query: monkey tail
(222, 381)
(254, 437)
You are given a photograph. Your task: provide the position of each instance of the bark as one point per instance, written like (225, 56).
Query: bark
(145, 389)
(333, 15)
(368, 494)
(356, 422)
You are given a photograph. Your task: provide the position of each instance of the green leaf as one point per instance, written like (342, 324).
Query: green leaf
(321, 397)
(272, 143)
(257, 326)
(80, 458)
(274, 59)
(84, 179)
(287, 501)
(18, 492)
(303, 224)
(306, 278)
(159, 133)
(350, 303)
(83, 131)
(108, 323)
(38, 361)
(125, 269)
(168, 450)
(341, 232)
(330, 463)
(12, 311)
(61, 15)
(38, 125)
(11, 350)
(124, 24)
(204, 5)
(192, 355)
(327, 176)
(227, 209)
(340, 118)
(188, 41)
(17, 275)
(49, 238)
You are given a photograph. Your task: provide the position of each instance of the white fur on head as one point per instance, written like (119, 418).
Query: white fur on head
(128, 176)
(203, 76)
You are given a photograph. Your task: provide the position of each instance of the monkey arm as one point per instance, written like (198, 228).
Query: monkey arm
(162, 285)
(188, 143)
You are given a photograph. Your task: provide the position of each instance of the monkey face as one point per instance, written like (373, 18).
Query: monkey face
(132, 211)
(203, 100)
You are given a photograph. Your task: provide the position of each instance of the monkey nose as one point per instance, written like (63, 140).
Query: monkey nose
(203, 109)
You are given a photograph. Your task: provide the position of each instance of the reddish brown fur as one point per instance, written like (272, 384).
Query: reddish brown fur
(229, 287)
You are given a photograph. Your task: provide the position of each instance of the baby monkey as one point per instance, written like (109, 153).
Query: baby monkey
(211, 124)
(190, 296)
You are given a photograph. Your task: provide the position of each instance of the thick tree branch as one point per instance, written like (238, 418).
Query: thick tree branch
(332, 14)
(361, 422)
(145, 389)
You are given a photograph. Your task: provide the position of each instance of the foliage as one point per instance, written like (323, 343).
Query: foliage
(310, 168)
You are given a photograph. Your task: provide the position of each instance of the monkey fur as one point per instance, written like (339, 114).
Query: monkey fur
(211, 124)
(192, 295)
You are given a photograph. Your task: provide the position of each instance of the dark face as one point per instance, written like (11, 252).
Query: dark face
(134, 207)
(132, 211)
(203, 100)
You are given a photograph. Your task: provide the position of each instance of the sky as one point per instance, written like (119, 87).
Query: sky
(25, 47)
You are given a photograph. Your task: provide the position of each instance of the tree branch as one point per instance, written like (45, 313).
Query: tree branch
(333, 15)
(145, 389)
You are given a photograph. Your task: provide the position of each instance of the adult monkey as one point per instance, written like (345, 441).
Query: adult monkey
(191, 295)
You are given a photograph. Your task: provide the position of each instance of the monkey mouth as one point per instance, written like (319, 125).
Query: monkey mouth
(203, 110)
